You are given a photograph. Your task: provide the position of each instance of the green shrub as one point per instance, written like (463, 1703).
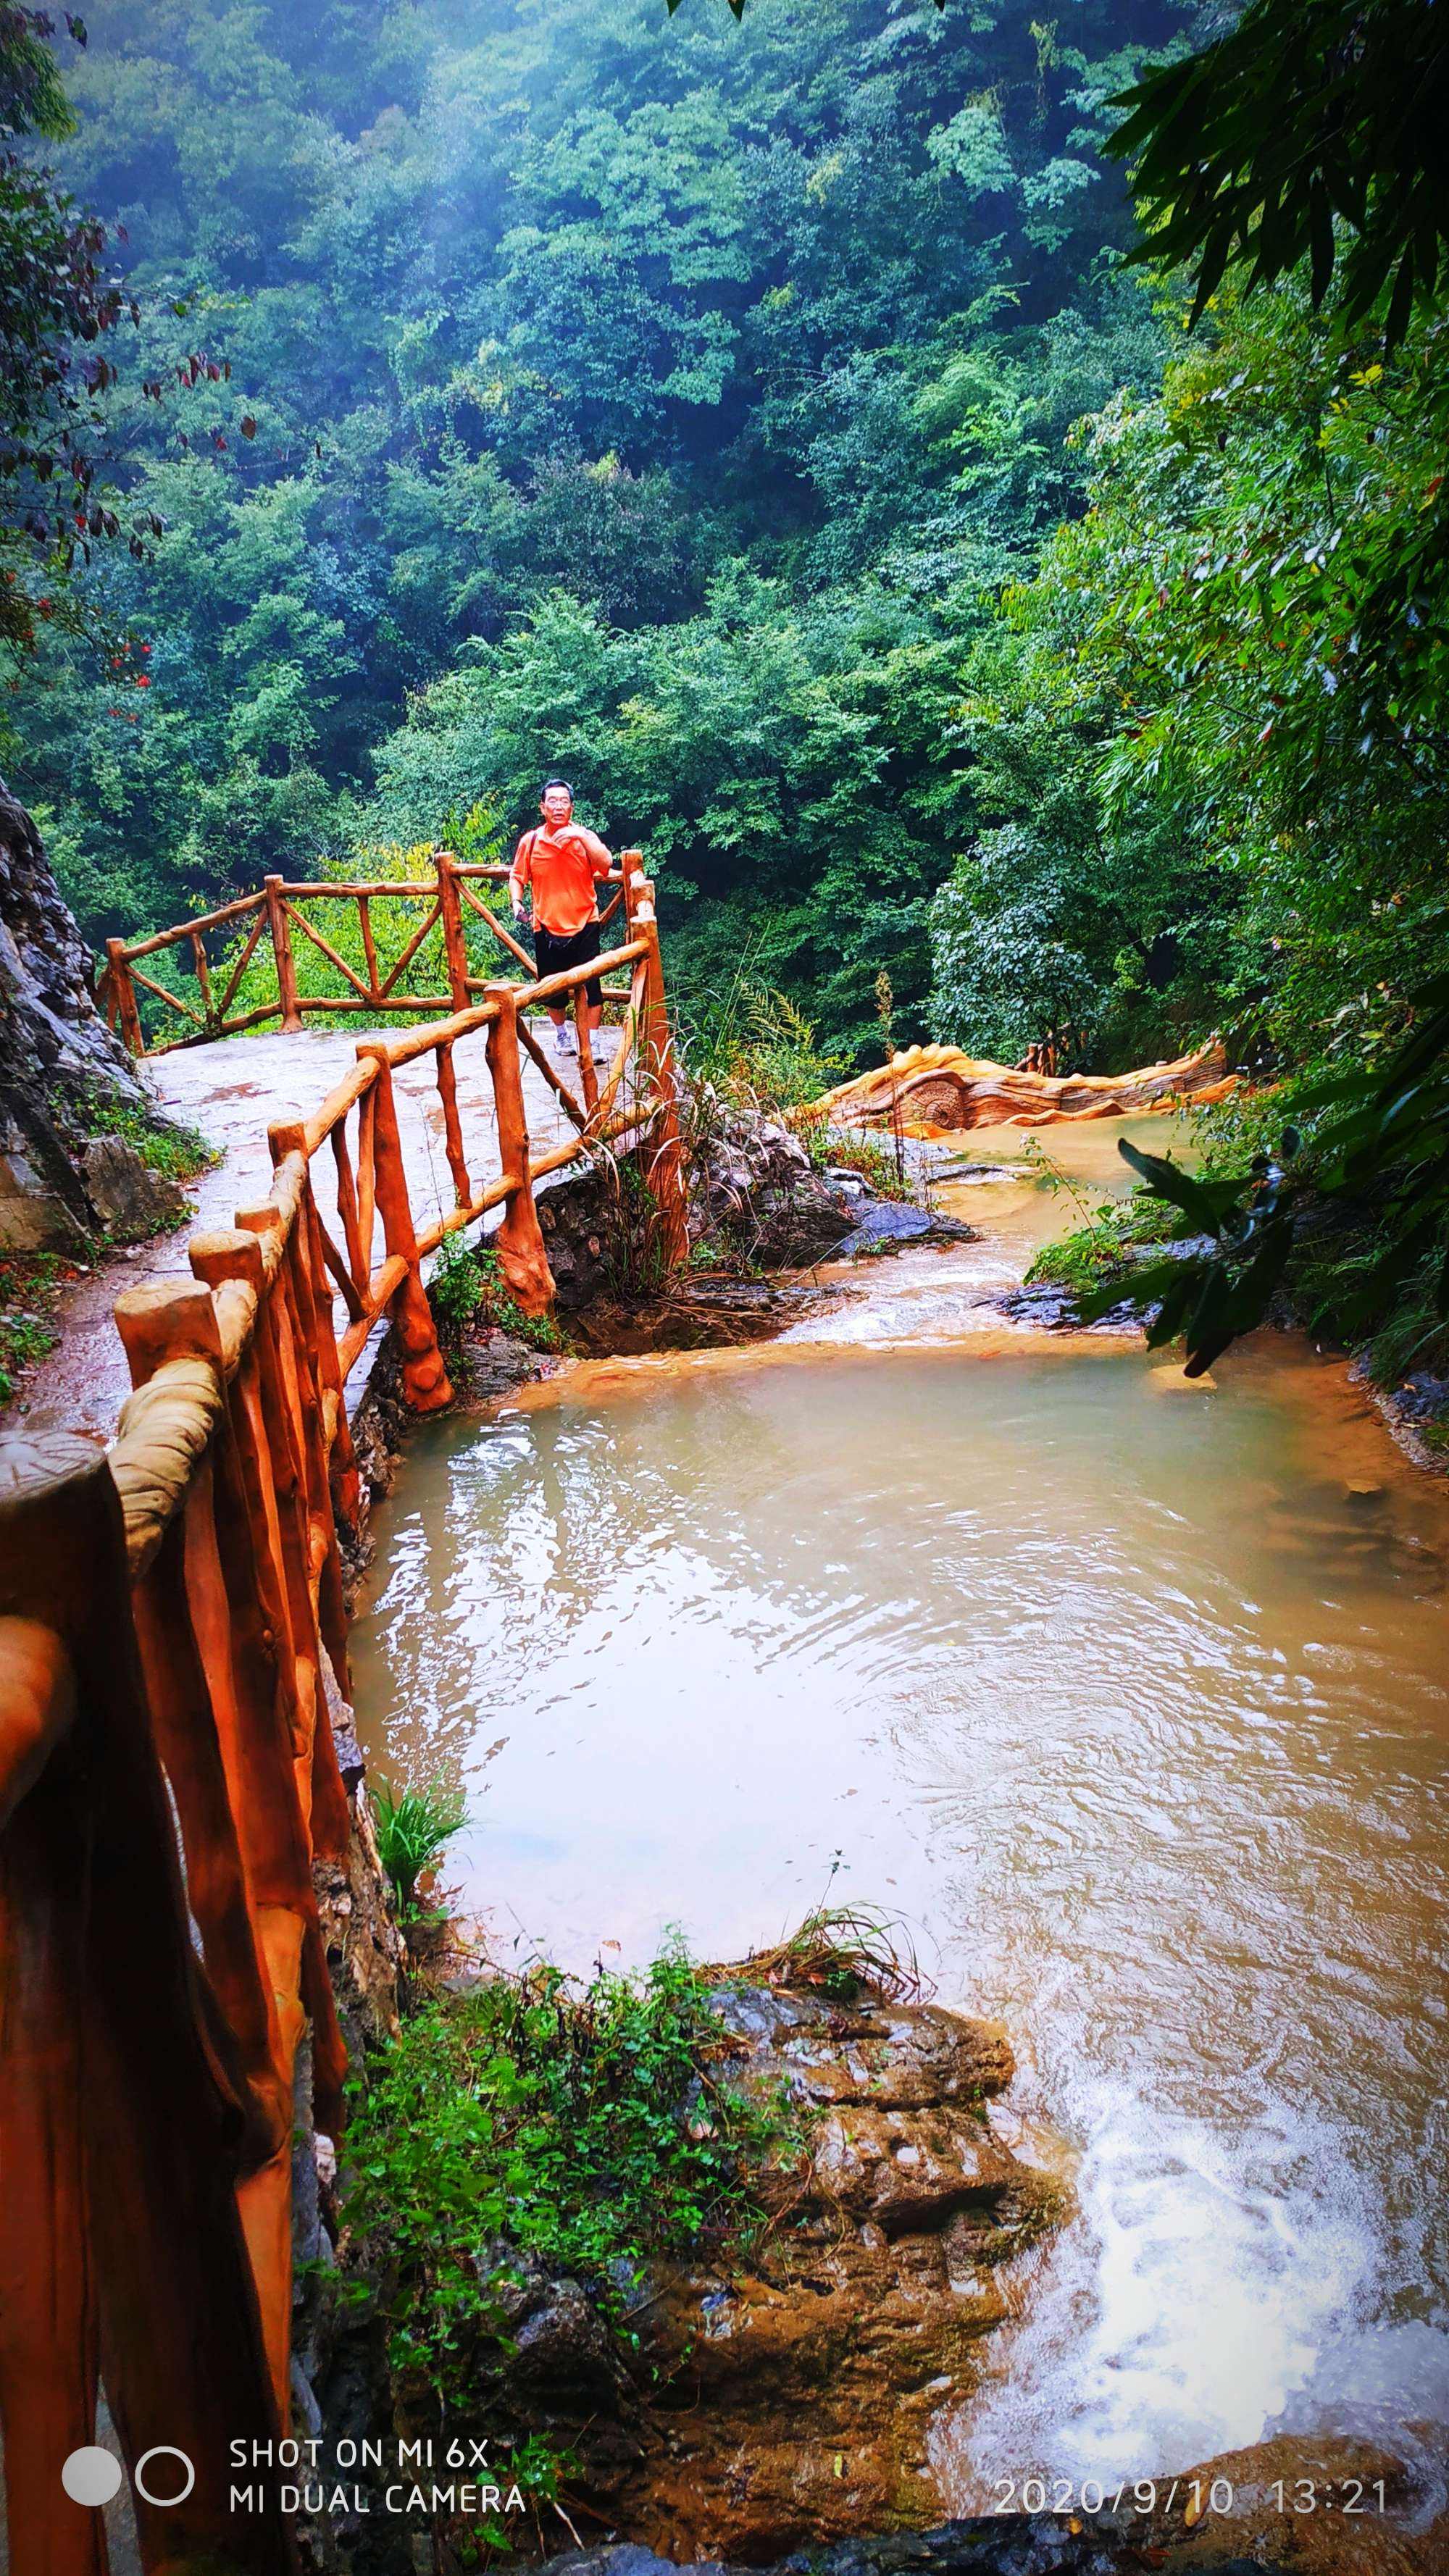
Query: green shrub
(756, 1046)
(582, 2123)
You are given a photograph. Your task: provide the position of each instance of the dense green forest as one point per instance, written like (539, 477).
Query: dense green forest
(758, 421)
(664, 399)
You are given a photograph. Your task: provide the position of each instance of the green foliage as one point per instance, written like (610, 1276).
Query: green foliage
(1299, 125)
(1213, 776)
(30, 1289)
(413, 1828)
(456, 1288)
(57, 290)
(394, 921)
(1102, 1248)
(697, 407)
(468, 1289)
(754, 1046)
(1375, 1168)
(579, 2125)
(662, 399)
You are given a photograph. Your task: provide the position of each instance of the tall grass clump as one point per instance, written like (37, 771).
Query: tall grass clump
(414, 1828)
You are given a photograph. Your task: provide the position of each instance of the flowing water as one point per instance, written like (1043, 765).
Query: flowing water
(1130, 1696)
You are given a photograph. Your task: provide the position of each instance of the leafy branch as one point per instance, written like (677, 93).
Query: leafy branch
(1382, 1151)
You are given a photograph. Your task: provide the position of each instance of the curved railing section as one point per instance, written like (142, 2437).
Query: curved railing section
(283, 922)
(173, 1638)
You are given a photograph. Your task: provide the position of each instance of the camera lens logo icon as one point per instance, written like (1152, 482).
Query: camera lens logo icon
(92, 2476)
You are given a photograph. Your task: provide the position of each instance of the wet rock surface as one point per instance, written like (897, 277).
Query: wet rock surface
(60, 1182)
(881, 1224)
(1056, 1310)
(792, 2401)
(755, 1187)
(1180, 2534)
(1417, 1414)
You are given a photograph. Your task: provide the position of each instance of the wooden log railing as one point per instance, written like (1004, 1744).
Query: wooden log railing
(278, 924)
(172, 1634)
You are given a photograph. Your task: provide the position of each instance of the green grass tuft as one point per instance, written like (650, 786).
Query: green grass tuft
(414, 1827)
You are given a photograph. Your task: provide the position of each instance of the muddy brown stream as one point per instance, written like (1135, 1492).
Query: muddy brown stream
(1131, 1698)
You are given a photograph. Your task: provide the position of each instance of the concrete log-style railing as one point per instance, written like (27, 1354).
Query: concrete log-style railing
(282, 915)
(171, 1632)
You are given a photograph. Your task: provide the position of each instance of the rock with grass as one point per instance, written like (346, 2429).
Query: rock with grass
(756, 1189)
(796, 2393)
(75, 1117)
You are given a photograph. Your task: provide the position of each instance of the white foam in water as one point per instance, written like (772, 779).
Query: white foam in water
(1182, 2311)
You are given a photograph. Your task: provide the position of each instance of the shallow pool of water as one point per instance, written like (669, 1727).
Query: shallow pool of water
(1130, 1697)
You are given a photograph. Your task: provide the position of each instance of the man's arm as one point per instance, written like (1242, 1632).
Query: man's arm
(600, 858)
(520, 873)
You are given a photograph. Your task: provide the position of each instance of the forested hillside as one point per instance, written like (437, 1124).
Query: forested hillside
(759, 422)
(665, 399)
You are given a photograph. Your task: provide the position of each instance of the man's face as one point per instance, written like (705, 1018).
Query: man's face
(557, 805)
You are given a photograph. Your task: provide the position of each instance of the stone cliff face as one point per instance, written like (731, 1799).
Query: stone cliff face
(63, 1177)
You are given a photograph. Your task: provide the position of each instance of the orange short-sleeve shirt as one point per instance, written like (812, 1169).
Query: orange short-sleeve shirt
(563, 869)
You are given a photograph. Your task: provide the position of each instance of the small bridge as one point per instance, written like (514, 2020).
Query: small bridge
(172, 1631)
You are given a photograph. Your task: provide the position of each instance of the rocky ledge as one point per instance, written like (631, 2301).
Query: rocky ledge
(64, 1177)
(1181, 2535)
(791, 2402)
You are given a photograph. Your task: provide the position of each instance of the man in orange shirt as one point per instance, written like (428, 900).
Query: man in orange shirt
(561, 863)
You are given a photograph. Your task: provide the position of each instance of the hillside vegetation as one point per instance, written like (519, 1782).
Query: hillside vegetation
(780, 425)
(664, 399)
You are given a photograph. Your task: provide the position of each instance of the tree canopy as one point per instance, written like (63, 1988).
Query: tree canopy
(1311, 134)
(723, 348)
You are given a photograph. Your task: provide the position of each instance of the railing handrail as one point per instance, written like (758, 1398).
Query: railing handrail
(282, 902)
(172, 1628)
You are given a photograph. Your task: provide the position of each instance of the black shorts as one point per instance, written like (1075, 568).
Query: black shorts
(554, 954)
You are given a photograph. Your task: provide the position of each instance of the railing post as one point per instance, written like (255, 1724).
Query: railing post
(519, 1239)
(282, 950)
(425, 1378)
(455, 947)
(631, 869)
(123, 985)
(120, 2124)
(319, 1326)
(665, 1172)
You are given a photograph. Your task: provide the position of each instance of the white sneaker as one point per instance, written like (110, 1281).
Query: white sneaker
(565, 1039)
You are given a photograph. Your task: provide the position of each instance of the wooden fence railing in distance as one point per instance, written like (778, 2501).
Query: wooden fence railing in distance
(286, 920)
(171, 1630)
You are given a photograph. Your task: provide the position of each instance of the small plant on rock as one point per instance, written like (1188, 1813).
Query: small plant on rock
(414, 1828)
(468, 1291)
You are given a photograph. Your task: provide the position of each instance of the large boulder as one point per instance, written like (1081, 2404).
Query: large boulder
(754, 1186)
(64, 1175)
(790, 2401)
